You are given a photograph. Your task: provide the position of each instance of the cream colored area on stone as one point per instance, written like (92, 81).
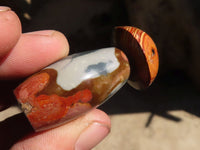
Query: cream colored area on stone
(129, 133)
(73, 71)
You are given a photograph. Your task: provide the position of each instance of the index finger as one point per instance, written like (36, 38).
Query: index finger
(10, 30)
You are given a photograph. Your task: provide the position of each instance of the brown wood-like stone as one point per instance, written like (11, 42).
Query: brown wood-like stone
(141, 52)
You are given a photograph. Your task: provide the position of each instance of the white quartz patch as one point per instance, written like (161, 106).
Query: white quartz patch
(77, 68)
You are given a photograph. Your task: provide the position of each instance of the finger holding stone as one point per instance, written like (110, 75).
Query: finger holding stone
(10, 30)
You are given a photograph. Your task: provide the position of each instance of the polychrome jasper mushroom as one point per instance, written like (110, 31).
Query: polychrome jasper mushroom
(72, 86)
(141, 52)
(78, 83)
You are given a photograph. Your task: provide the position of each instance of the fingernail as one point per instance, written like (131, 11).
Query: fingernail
(42, 32)
(91, 136)
(55, 36)
(4, 8)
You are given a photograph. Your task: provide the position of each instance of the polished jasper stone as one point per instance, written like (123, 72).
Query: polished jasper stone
(142, 54)
(72, 86)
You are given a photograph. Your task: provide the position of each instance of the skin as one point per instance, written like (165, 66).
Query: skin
(38, 49)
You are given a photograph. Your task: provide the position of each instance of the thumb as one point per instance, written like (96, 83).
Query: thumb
(81, 134)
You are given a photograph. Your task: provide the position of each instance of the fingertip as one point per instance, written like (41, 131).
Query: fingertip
(100, 116)
(34, 51)
(4, 8)
(85, 132)
(10, 30)
(57, 36)
(95, 132)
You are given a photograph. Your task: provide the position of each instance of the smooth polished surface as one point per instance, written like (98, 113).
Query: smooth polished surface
(72, 86)
(141, 52)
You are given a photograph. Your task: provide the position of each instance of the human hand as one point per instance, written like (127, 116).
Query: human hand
(24, 54)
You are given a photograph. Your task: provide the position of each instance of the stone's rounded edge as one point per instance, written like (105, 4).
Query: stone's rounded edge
(141, 52)
(123, 76)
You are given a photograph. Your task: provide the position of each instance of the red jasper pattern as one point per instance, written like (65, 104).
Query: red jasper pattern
(48, 102)
(72, 86)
